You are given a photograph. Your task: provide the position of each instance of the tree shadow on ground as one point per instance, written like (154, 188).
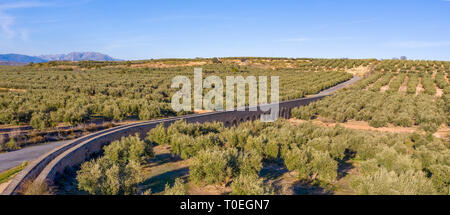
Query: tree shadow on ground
(272, 171)
(287, 183)
(303, 187)
(157, 183)
(162, 159)
(344, 167)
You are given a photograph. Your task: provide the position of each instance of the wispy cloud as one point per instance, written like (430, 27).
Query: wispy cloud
(418, 44)
(16, 5)
(7, 21)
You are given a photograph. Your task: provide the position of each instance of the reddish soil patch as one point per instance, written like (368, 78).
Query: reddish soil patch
(433, 76)
(13, 90)
(386, 87)
(439, 91)
(164, 65)
(419, 87)
(404, 87)
(202, 111)
(359, 71)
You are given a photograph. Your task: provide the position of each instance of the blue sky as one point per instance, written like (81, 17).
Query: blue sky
(164, 29)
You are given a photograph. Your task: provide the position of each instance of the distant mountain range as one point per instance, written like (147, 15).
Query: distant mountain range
(17, 59)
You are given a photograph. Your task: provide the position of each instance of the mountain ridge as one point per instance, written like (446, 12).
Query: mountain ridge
(18, 58)
(78, 56)
(72, 56)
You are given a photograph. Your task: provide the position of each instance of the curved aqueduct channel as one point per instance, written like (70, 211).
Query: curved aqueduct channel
(49, 165)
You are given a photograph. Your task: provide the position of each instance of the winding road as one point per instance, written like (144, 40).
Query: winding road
(11, 159)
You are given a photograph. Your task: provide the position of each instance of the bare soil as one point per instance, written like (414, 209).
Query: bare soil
(165, 65)
(419, 88)
(4, 185)
(359, 71)
(386, 87)
(13, 90)
(439, 91)
(404, 87)
(443, 132)
(202, 111)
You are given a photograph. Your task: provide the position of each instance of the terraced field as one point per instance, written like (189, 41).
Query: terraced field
(381, 98)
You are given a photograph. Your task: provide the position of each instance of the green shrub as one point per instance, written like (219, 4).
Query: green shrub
(41, 121)
(183, 145)
(403, 120)
(11, 145)
(128, 149)
(366, 150)
(440, 177)
(413, 81)
(304, 112)
(383, 182)
(426, 156)
(312, 164)
(249, 185)
(105, 177)
(271, 150)
(234, 137)
(392, 161)
(323, 166)
(177, 188)
(119, 171)
(250, 163)
(257, 144)
(207, 141)
(338, 147)
(378, 120)
(368, 167)
(213, 166)
(158, 135)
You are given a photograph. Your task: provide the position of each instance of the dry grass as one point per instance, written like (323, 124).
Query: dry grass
(35, 188)
(360, 71)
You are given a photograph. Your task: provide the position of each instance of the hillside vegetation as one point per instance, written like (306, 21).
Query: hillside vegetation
(53, 94)
(367, 101)
(234, 157)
